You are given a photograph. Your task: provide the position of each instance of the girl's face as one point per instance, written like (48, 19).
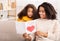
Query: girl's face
(42, 12)
(30, 12)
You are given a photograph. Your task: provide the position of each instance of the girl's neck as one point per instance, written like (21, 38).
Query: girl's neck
(29, 17)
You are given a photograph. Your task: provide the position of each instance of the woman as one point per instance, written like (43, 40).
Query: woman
(47, 24)
(27, 14)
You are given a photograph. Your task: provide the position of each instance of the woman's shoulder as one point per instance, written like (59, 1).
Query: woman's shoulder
(56, 20)
(42, 19)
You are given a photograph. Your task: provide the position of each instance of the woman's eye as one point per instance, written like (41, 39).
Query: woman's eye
(43, 11)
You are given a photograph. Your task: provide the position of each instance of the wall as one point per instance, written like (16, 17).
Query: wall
(22, 3)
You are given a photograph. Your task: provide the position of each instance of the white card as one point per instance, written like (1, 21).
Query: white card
(20, 27)
(26, 27)
(30, 27)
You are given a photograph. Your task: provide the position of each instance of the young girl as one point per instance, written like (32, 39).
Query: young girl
(47, 24)
(27, 14)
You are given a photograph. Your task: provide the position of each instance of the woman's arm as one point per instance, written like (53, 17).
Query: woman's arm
(54, 33)
(39, 33)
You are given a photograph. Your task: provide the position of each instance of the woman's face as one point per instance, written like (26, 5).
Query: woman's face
(30, 12)
(42, 12)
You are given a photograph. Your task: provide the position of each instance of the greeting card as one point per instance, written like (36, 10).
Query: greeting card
(26, 27)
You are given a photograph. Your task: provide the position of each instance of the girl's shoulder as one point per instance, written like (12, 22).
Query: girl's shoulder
(25, 18)
(19, 20)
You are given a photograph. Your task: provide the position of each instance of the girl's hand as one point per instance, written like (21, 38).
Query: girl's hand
(26, 36)
(38, 33)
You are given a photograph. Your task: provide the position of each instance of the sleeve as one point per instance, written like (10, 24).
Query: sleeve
(54, 34)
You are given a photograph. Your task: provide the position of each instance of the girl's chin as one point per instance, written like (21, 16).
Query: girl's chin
(30, 16)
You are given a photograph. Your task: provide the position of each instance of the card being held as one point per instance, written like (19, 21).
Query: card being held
(26, 27)
(30, 27)
(20, 27)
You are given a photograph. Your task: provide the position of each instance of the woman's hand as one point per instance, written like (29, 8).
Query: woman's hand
(39, 33)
